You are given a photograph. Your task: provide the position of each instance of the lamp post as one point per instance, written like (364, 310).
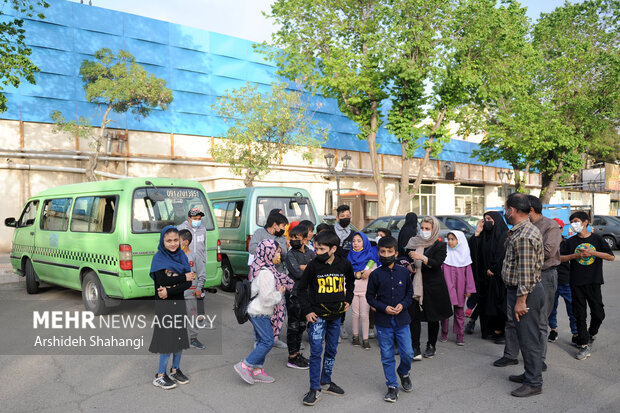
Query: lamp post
(329, 160)
(504, 178)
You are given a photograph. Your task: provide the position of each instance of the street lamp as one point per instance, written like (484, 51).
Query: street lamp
(329, 160)
(508, 175)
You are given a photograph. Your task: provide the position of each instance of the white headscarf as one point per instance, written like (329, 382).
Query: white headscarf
(459, 256)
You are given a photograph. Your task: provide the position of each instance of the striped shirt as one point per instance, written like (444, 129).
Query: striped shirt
(525, 255)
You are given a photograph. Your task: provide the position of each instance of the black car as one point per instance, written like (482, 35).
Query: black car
(608, 227)
(394, 224)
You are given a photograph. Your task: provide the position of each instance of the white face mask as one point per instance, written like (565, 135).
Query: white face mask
(425, 234)
(576, 226)
(377, 239)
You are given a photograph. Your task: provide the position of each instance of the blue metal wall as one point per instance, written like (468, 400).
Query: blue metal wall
(198, 66)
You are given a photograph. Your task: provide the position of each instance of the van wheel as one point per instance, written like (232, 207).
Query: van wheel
(228, 276)
(32, 285)
(611, 242)
(92, 294)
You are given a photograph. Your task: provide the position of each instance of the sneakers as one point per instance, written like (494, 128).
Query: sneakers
(505, 361)
(460, 340)
(443, 338)
(583, 353)
(392, 395)
(333, 388)
(371, 333)
(260, 376)
(470, 326)
(164, 382)
(356, 340)
(405, 382)
(365, 345)
(245, 372)
(277, 343)
(553, 336)
(526, 391)
(197, 344)
(417, 354)
(343, 333)
(312, 397)
(298, 362)
(430, 351)
(179, 377)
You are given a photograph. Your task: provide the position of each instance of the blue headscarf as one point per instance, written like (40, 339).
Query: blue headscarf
(359, 259)
(176, 261)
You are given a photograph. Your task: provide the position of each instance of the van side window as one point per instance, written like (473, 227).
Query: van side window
(228, 214)
(94, 214)
(28, 215)
(219, 210)
(55, 214)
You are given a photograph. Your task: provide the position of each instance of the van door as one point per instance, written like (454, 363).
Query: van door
(51, 257)
(24, 239)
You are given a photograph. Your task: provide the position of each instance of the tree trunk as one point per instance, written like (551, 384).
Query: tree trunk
(403, 197)
(249, 178)
(93, 159)
(374, 160)
(550, 183)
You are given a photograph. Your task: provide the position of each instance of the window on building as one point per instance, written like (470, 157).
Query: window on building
(424, 202)
(28, 215)
(468, 200)
(94, 214)
(371, 209)
(55, 215)
(506, 194)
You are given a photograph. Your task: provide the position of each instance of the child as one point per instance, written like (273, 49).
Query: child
(321, 293)
(381, 232)
(198, 245)
(310, 225)
(390, 292)
(267, 294)
(172, 276)
(460, 281)
(363, 258)
(586, 252)
(192, 294)
(297, 259)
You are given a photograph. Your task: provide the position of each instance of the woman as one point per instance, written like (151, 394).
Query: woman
(409, 230)
(487, 252)
(431, 298)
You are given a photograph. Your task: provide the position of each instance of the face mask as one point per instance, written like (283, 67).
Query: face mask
(196, 224)
(322, 257)
(279, 233)
(344, 222)
(387, 261)
(488, 225)
(425, 234)
(507, 216)
(453, 248)
(577, 227)
(377, 239)
(295, 244)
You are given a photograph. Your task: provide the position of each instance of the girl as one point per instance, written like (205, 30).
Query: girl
(266, 295)
(172, 275)
(363, 257)
(460, 281)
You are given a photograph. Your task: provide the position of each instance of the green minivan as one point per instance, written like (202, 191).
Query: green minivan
(100, 237)
(240, 212)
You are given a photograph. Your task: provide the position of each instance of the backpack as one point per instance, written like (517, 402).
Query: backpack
(243, 296)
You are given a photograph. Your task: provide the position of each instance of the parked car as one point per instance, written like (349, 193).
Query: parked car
(331, 220)
(465, 223)
(608, 227)
(240, 212)
(394, 224)
(100, 237)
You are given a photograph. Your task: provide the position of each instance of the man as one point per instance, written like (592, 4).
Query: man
(274, 229)
(342, 229)
(525, 294)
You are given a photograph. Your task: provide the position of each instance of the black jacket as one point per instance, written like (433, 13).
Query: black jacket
(390, 287)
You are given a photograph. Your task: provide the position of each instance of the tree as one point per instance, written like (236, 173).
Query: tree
(338, 48)
(264, 128)
(14, 54)
(117, 83)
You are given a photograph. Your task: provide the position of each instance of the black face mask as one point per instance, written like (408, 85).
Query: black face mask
(387, 261)
(344, 222)
(295, 244)
(279, 233)
(488, 225)
(322, 257)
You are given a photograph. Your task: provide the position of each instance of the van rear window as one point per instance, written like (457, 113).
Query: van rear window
(152, 210)
(294, 208)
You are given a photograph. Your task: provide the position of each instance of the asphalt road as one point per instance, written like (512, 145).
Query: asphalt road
(458, 379)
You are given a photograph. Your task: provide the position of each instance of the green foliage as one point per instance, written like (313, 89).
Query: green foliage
(14, 54)
(80, 128)
(264, 127)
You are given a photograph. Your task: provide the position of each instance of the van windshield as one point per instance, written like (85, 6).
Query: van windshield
(294, 208)
(151, 212)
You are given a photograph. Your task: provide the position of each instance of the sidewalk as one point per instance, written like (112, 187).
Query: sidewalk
(6, 271)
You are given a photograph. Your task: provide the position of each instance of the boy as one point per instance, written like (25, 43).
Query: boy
(390, 292)
(321, 294)
(297, 259)
(308, 224)
(192, 293)
(274, 229)
(586, 252)
(345, 234)
(198, 245)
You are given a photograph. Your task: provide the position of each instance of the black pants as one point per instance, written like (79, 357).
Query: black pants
(589, 294)
(416, 327)
(296, 325)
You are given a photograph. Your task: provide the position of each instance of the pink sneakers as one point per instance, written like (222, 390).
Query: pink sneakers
(245, 372)
(260, 376)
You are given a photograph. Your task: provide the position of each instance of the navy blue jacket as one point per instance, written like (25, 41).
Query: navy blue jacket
(390, 287)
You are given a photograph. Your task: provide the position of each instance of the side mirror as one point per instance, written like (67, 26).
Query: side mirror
(10, 222)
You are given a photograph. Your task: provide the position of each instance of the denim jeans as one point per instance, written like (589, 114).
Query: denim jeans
(263, 336)
(317, 331)
(163, 361)
(386, 337)
(563, 291)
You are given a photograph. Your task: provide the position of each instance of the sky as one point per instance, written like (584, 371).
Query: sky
(238, 18)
